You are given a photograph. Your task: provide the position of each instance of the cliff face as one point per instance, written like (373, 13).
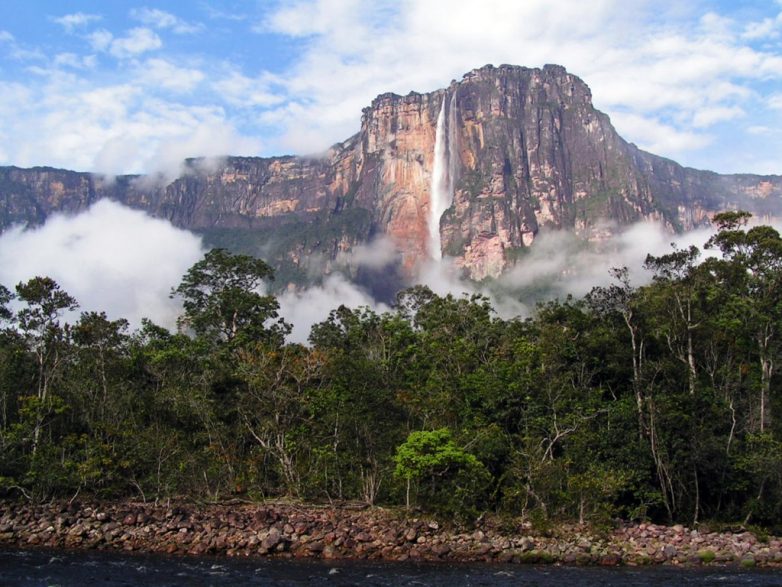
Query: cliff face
(520, 151)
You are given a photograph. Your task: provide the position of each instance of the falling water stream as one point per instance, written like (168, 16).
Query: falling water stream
(443, 171)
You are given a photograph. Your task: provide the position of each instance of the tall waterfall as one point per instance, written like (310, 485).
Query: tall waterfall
(443, 172)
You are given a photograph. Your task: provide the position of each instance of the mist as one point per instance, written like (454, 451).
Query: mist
(306, 308)
(123, 262)
(562, 264)
(110, 258)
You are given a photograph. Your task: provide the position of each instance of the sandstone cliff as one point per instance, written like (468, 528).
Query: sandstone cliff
(524, 151)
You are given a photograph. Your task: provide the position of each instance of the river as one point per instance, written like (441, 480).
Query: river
(55, 568)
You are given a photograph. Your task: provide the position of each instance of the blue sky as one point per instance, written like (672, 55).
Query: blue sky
(127, 87)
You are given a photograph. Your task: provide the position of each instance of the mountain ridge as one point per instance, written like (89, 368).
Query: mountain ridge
(526, 152)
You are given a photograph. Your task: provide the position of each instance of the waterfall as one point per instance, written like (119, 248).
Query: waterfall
(443, 171)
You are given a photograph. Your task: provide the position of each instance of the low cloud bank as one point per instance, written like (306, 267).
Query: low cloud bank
(565, 264)
(110, 258)
(306, 308)
(124, 262)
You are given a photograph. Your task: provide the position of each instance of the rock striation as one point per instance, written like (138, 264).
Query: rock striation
(526, 152)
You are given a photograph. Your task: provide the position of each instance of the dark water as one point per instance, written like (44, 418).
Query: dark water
(41, 568)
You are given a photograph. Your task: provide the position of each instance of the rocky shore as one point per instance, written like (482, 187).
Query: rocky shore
(343, 532)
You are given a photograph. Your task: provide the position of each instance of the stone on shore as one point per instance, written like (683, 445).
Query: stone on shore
(344, 532)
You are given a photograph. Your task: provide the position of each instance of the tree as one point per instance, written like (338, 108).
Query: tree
(184, 446)
(223, 300)
(619, 298)
(102, 347)
(455, 339)
(5, 297)
(9, 355)
(16, 370)
(39, 323)
(356, 417)
(751, 270)
(273, 408)
(451, 479)
(676, 276)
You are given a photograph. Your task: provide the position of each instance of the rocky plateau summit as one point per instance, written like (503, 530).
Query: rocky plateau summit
(475, 171)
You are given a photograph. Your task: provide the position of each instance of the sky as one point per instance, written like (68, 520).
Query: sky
(119, 87)
(134, 87)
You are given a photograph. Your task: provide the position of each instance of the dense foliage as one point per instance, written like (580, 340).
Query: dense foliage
(656, 402)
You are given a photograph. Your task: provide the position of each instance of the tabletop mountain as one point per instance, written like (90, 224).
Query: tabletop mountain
(475, 171)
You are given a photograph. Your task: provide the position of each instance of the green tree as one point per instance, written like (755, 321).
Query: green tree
(751, 270)
(5, 297)
(677, 280)
(223, 300)
(39, 323)
(456, 339)
(274, 408)
(619, 299)
(356, 413)
(451, 480)
(101, 346)
(190, 441)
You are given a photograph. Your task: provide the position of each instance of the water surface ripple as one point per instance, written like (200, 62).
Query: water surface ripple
(52, 568)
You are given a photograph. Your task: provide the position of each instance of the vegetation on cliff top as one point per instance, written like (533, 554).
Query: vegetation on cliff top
(657, 402)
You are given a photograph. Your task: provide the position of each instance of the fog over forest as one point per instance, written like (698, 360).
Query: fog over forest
(124, 262)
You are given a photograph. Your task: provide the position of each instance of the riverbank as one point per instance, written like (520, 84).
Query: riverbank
(344, 532)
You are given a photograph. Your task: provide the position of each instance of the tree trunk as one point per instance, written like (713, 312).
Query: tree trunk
(637, 356)
(766, 370)
(692, 373)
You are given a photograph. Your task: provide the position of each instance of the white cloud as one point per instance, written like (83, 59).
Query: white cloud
(76, 20)
(112, 129)
(377, 254)
(665, 71)
(12, 94)
(759, 130)
(716, 24)
(211, 139)
(122, 261)
(768, 28)
(568, 265)
(654, 60)
(219, 14)
(100, 40)
(161, 19)
(305, 308)
(75, 61)
(240, 90)
(157, 138)
(110, 258)
(759, 30)
(304, 18)
(708, 116)
(137, 40)
(164, 74)
(655, 136)
(18, 51)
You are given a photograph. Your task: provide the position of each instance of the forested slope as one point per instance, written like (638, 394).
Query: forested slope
(659, 401)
